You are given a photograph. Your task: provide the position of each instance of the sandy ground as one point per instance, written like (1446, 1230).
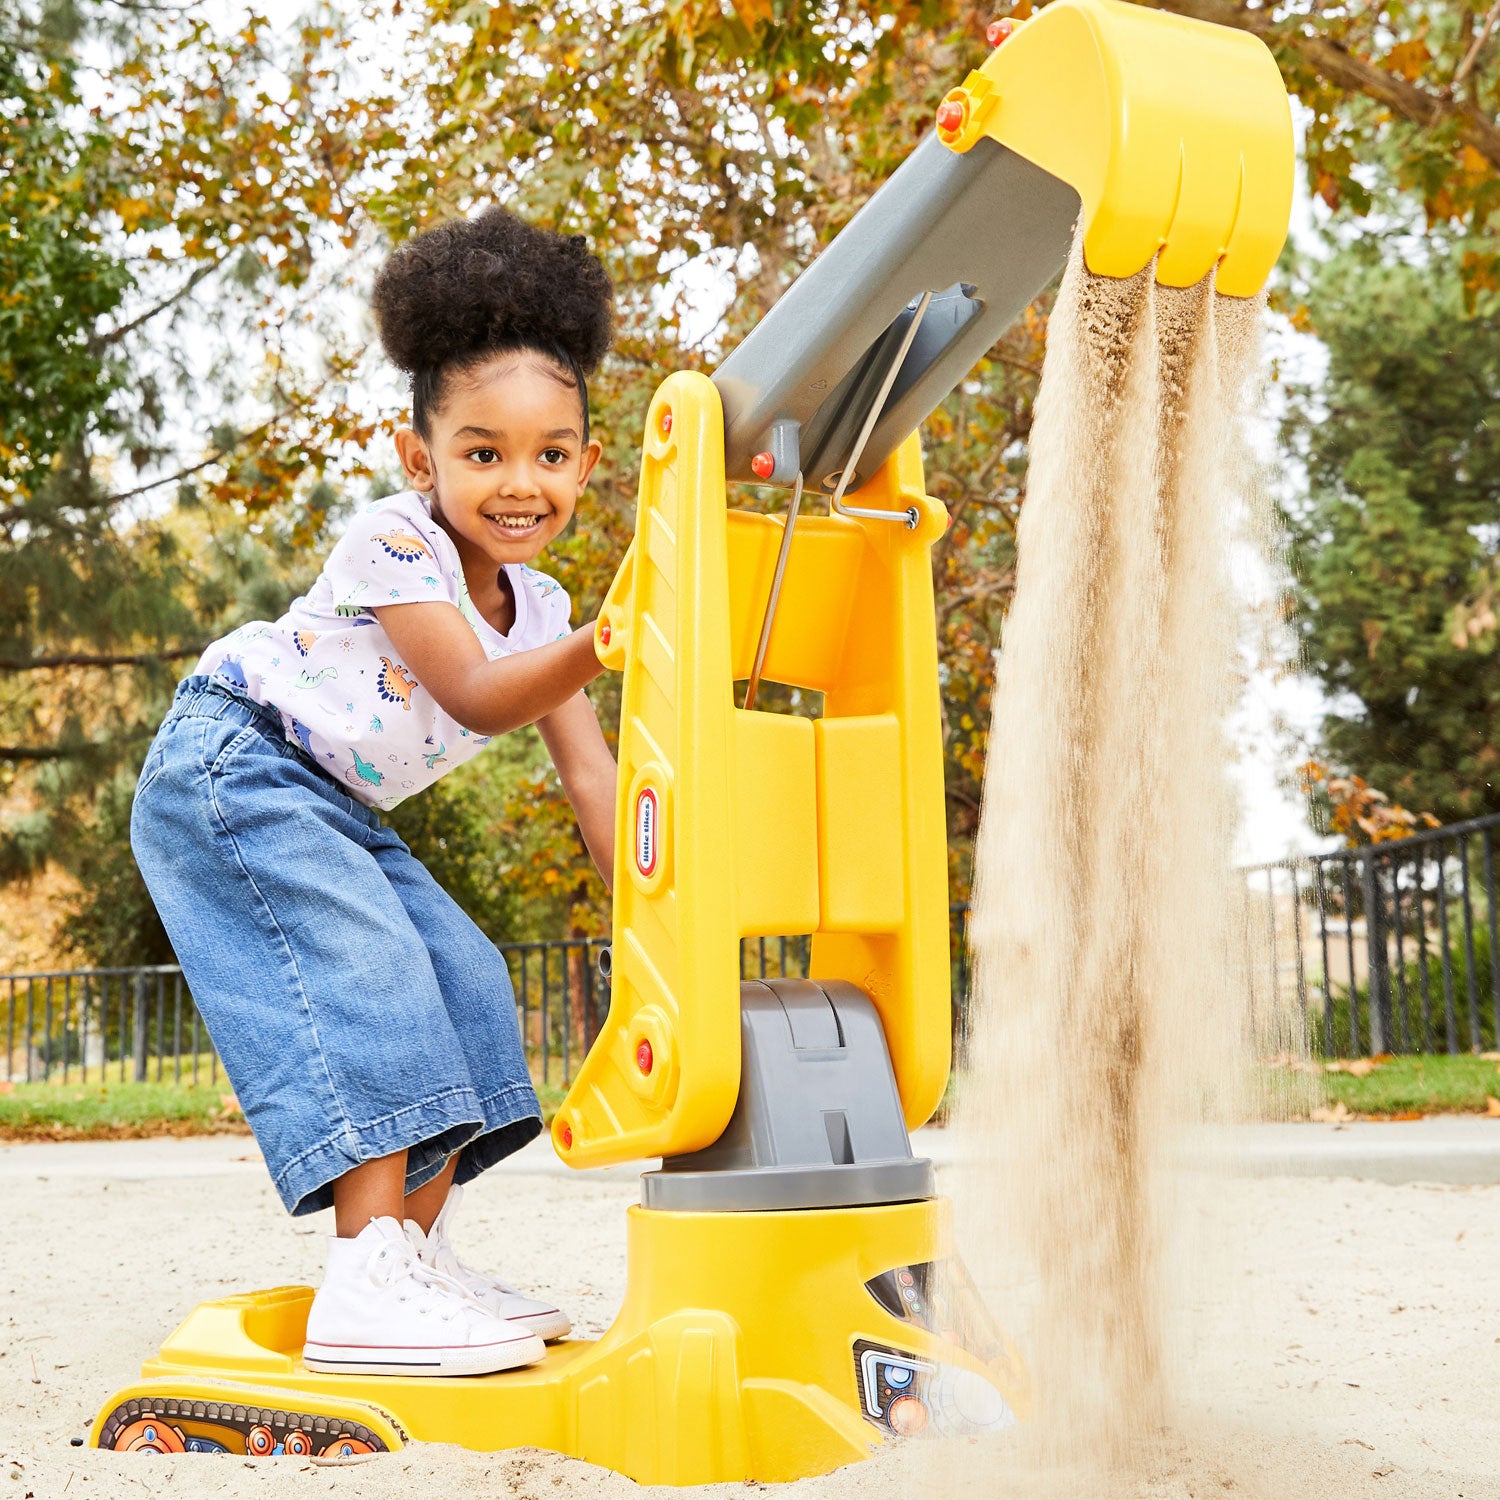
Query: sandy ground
(1350, 1345)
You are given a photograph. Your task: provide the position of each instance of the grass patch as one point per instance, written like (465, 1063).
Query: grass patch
(136, 1111)
(116, 1111)
(210, 1072)
(123, 1111)
(1417, 1086)
(1395, 1087)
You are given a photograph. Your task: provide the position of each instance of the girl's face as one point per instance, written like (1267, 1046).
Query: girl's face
(505, 462)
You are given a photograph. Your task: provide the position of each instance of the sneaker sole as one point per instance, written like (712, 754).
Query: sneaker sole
(477, 1359)
(548, 1326)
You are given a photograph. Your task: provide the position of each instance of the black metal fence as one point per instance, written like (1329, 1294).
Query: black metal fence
(1389, 948)
(93, 1025)
(1385, 948)
(140, 1024)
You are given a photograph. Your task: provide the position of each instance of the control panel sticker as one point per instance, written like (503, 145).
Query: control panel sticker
(907, 1396)
(891, 1387)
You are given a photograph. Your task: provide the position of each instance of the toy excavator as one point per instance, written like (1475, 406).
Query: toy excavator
(792, 1299)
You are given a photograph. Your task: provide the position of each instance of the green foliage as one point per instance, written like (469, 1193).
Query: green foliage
(1396, 543)
(56, 376)
(61, 559)
(447, 829)
(115, 213)
(114, 922)
(186, 255)
(529, 844)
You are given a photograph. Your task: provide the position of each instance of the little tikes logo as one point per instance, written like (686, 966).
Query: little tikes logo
(647, 832)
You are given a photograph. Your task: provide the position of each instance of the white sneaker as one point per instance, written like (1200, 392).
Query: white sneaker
(496, 1296)
(381, 1311)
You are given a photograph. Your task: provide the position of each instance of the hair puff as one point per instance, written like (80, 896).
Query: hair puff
(451, 294)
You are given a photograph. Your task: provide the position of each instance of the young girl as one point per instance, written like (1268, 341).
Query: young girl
(367, 1025)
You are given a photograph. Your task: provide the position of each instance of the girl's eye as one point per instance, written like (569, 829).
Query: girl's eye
(554, 455)
(484, 455)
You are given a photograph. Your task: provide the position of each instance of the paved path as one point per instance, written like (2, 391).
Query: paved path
(1451, 1150)
(224, 1155)
(1457, 1150)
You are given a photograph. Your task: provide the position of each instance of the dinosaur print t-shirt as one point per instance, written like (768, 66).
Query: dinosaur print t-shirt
(330, 670)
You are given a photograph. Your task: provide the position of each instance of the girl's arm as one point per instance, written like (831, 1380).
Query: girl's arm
(573, 739)
(489, 697)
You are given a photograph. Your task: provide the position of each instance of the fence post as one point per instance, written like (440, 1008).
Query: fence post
(1380, 983)
(138, 1025)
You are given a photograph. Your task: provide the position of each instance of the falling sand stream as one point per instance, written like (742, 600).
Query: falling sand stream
(1104, 1010)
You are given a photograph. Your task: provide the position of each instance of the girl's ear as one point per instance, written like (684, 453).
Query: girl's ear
(586, 463)
(412, 450)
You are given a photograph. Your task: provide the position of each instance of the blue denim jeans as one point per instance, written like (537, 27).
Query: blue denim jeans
(357, 1010)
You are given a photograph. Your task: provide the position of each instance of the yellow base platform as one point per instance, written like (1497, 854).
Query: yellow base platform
(749, 1346)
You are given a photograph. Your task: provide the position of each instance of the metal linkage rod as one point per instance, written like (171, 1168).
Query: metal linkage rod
(909, 515)
(765, 625)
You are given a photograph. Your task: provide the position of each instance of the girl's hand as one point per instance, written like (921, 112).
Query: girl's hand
(488, 697)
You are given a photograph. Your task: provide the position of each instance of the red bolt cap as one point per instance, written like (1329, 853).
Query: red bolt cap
(604, 634)
(764, 465)
(950, 115)
(567, 1137)
(997, 31)
(666, 423)
(644, 1059)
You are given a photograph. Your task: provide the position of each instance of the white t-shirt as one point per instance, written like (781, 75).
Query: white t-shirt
(330, 670)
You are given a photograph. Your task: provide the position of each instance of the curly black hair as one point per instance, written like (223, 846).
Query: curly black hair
(454, 296)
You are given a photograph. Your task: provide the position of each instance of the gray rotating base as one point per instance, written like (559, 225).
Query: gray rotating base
(818, 1122)
(763, 1188)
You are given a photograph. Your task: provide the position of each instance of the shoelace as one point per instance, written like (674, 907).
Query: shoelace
(389, 1266)
(445, 1257)
(450, 1265)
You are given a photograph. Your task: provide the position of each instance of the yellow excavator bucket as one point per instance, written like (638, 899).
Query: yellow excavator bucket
(1176, 135)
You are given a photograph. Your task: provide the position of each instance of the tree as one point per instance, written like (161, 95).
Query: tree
(237, 186)
(63, 559)
(113, 218)
(1392, 542)
(1396, 544)
(1357, 812)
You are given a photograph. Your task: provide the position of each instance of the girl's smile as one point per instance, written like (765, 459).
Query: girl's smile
(504, 464)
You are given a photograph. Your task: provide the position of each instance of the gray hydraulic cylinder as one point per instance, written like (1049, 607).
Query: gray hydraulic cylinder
(818, 1123)
(984, 230)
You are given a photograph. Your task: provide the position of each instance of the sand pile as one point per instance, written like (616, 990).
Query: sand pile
(1106, 1013)
(1367, 1373)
